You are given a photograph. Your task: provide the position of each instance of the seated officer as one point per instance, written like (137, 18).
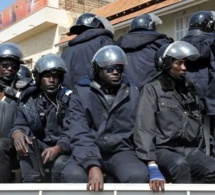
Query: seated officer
(100, 120)
(11, 86)
(168, 127)
(41, 111)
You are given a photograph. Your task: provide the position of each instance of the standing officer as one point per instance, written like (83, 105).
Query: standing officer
(202, 73)
(168, 127)
(91, 36)
(100, 120)
(41, 112)
(11, 86)
(140, 45)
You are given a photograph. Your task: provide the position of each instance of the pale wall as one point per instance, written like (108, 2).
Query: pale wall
(40, 44)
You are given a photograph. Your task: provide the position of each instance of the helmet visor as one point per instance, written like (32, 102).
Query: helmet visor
(110, 55)
(106, 23)
(213, 15)
(181, 50)
(155, 19)
(50, 62)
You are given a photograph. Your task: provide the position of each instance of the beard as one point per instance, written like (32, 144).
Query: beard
(180, 78)
(109, 87)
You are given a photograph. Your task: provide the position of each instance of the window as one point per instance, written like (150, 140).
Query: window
(181, 27)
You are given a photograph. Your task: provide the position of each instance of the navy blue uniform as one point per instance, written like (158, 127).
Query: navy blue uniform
(8, 113)
(140, 48)
(80, 52)
(102, 134)
(202, 71)
(38, 116)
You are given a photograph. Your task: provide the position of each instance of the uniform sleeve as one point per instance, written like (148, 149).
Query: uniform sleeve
(83, 146)
(67, 56)
(145, 124)
(20, 123)
(64, 140)
(210, 92)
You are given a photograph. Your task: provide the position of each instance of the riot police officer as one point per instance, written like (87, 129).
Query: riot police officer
(11, 86)
(201, 35)
(169, 123)
(41, 115)
(202, 75)
(101, 119)
(91, 36)
(140, 45)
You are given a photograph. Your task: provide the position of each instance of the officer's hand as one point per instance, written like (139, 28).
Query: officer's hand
(50, 154)
(157, 180)
(96, 180)
(20, 140)
(157, 185)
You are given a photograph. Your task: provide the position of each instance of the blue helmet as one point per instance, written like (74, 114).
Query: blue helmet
(84, 22)
(47, 63)
(107, 56)
(11, 51)
(145, 21)
(24, 71)
(202, 20)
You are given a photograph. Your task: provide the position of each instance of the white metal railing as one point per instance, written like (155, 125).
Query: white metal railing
(109, 189)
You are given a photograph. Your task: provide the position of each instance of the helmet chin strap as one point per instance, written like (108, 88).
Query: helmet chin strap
(7, 80)
(51, 91)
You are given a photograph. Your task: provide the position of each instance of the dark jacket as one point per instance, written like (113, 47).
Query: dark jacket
(140, 48)
(80, 52)
(166, 119)
(37, 116)
(202, 71)
(96, 129)
(8, 103)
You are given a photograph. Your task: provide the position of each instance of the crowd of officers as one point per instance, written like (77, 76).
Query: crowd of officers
(125, 111)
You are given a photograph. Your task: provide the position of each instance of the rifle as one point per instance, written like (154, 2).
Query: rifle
(39, 158)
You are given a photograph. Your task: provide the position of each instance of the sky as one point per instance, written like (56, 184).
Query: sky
(5, 3)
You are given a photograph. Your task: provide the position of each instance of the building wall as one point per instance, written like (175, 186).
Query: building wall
(82, 6)
(40, 44)
(54, 20)
(120, 32)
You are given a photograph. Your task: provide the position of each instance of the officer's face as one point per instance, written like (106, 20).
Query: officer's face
(178, 68)
(8, 68)
(112, 74)
(50, 80)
